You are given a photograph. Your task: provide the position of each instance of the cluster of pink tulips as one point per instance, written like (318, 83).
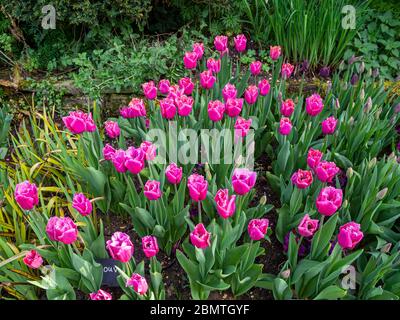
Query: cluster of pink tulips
(206, 214)
(328, 202)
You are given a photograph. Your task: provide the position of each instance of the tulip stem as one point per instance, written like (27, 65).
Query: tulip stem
(140, 180)
(199, 210)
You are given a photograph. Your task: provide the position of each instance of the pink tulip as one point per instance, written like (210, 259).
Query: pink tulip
(173, 173)
(329, 201)
(274, 52)
(152, 190)
(243, 180)
(326, 171)
(26, 195)
(302, 179)
(149, 90)
(221, 43)
(264, 86)
(225, 204)
(112, 129)
(255, 68)
(216, 110)
(190, 60)
(135, 109)
(33, 259)
(120, 247)
(199, 237)
(329, 125)
(108, 152)
(313, 158)
(175, 92)
(62, 229)
(138, 283)
(285, 126)
(163, 86)
(150, 246)
(251, 94)
(78, 122)
(314, 105)
(257, 228)
(287, 107)
(214, 65)
(168, 109)
(100, 295)
(187, 85)
(149, 149)
(240, 42)
(185, 105)
(307, 227)
(198, 48)
(229, 92)
(207, 79)
(134, 159)
(198, 187)
(349, 235)
(286, 70)
(82, 204)
(242, 126)
(118, 161)
(233, 107)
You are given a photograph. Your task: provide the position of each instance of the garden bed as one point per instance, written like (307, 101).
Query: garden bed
(322, 197)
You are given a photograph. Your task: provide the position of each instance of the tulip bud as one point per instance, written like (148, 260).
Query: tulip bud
(351, 121)
(263, 200)
(345, 204)
(386, 248)
(352, 59)
(354, 79)
(362, 67)
(207, 171)
(341, 66)
(369, 73)
(362, 94)
(372, 163)
(280, 97)
(329, 87)
(368, 105)
(381, 194)
(349, 173)
(375, 73)
(325, 72)
(378, 113)
(285, 274)
(344, 86)
(337, 104)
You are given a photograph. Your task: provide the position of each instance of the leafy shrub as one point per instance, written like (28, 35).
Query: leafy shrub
(379, 43)
(125, 67)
